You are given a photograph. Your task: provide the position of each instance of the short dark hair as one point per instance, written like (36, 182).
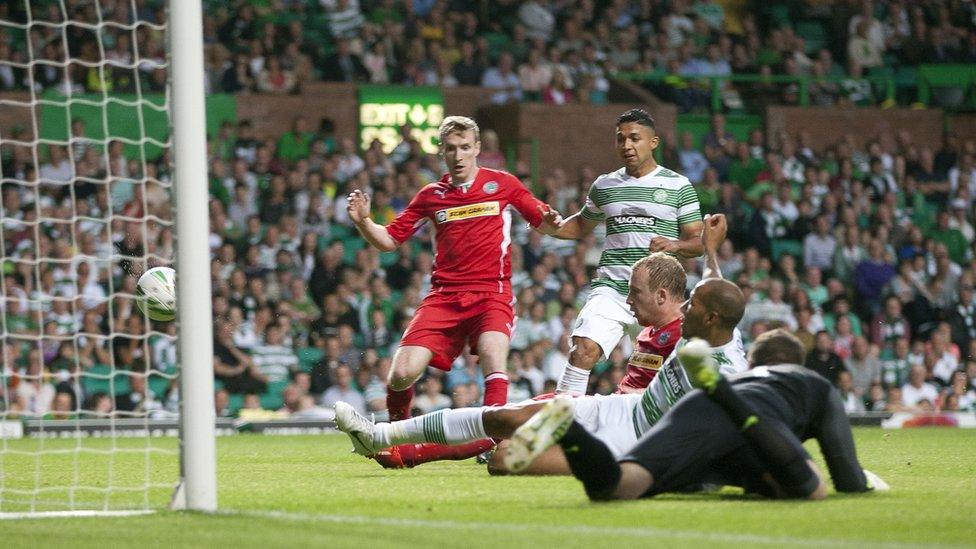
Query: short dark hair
(776, 347)
(640, 116)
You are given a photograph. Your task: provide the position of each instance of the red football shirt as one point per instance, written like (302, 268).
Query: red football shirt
(654, 346)
(472, 229)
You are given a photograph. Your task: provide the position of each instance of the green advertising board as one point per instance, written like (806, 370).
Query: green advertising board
(384, 109)
(138, 122)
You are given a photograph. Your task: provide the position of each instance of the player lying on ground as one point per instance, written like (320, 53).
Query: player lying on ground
(745, 430)
(712, 312)
(656, 299)
(470, 301)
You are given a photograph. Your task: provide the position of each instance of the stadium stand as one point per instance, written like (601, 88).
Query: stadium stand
(866, 252)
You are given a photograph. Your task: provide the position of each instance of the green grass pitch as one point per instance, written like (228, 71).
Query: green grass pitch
(305, 491)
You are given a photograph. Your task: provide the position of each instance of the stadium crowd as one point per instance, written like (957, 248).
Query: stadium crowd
(552, 51)
(864, 251)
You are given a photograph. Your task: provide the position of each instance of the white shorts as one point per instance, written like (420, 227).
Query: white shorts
(604, 318)
(609, 418)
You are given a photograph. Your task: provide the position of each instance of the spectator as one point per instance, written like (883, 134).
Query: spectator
(863, 366)
(296, 144)
(503, 80)
(491, 155)
(693, 162)
(852, 402)
(342, 390)
(823, 360)
(916, 393)
(431, 398)
(344, 65)
(890, 325)
(871, 276)
(273, 359)
(557, 93)
(862, 50)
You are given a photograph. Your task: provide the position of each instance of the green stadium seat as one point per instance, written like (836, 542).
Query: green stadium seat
(906, 76)
(308, 357)
(352, 245)
(951, 83)
(272, 398)
(338, 231)
(387, 259)
(787, 247)
(813, 34)
(118, 384)
(158, 385)
(235, 403)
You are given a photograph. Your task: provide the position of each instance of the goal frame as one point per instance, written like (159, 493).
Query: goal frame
(198, 462)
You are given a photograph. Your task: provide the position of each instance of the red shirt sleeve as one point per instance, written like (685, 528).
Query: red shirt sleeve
(525, 202)
(409, 220)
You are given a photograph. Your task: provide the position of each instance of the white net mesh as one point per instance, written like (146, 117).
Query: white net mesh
(85, 188)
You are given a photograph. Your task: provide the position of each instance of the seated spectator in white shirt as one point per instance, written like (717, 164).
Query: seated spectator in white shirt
(852, 403)
(57, 169)
(503, 80)
(342, 390)
(917, 390)
(431, 398)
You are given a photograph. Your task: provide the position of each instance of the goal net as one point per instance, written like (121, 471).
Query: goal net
(88, 382)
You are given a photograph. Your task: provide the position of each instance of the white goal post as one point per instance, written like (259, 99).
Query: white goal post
(198, 458)
(87, 381)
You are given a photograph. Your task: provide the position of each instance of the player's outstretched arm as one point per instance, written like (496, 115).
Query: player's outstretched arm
(713, 234)
(574, 227)
(374, 233)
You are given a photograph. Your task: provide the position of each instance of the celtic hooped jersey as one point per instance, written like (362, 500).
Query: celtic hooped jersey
(671, 383)
(636, 209)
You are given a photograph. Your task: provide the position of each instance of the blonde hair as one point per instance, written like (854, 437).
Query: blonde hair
(458, 124)
(664, 271)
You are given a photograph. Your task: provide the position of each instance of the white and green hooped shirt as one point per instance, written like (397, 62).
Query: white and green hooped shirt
(671, 382)
(636, 209)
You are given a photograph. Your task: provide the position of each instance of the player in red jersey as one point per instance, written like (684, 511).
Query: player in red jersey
(657, 300)
(471, 299)
(656, 294)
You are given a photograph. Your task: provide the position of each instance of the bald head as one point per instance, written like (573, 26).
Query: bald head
(723, 298)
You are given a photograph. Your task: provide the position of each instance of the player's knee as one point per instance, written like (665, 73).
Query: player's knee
(585, 352)
(402, 375)
(819, 493)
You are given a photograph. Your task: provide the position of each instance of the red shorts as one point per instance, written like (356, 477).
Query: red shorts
(444, 322)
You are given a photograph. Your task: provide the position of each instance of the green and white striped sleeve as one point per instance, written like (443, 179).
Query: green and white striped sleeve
(689, 209)
(590, 209)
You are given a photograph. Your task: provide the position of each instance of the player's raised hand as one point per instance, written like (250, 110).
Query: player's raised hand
(551, 220)
(716, 227)
(663, 244)
(358, 206)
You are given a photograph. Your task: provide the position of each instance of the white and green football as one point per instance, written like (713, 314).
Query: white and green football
(156, 291)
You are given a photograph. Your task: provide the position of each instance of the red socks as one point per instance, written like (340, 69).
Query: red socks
(496, 389)
(411, 455)
(398, 403)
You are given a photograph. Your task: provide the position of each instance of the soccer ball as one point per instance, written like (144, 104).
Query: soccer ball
(156, 291)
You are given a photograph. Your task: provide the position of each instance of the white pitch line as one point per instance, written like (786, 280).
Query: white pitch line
(72, 514)
(646, 532)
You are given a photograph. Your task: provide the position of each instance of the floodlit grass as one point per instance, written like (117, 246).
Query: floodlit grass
(310, 491)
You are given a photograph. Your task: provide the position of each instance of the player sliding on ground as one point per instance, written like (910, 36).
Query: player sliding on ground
(647, 208)
(712, 313)
(744, 430)
(470, 301)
